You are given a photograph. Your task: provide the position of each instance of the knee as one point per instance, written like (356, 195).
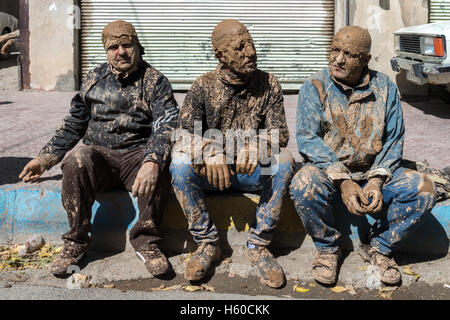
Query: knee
(286, 164)
(418, 184)
(78, 158)
(307, 183)
(181, 168)
(426, 192)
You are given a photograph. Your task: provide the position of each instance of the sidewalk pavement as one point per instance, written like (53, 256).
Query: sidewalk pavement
(29, 119)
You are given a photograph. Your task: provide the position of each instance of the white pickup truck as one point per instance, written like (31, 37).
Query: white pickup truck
(423, 51)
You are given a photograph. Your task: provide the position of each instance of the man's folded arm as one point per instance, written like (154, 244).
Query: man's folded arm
(165, 114)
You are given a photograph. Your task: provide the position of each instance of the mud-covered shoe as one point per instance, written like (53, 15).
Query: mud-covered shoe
(70, 254)
(198, 266)
(389, 271)
(270, 272)
(154, 260)
(325, 266)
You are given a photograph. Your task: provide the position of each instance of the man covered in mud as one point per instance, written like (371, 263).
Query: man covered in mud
(233, 100)
(124, 113)
(350, 130)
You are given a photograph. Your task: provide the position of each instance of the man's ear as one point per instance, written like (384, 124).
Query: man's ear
(217, 53)
(220, 56)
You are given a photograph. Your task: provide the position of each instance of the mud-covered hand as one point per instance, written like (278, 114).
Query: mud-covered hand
(218, 171)
(373, 190)
(32, 171)
(247, 160)
(146, 179)
(354, 197)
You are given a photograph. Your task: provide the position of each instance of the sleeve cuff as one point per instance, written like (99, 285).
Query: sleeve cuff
(379, 172)
(337, 172)
(47, 160)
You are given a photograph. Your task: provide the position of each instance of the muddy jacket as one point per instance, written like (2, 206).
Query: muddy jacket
(218, 104)
(139, 111)
(350, 133)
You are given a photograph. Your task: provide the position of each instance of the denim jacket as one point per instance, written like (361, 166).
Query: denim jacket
(350, 133)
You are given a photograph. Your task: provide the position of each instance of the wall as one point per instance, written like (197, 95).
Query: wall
(54, 46)
(382, 18)
(51, 45)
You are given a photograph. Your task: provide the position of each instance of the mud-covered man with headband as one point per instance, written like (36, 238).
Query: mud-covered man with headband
(124, 114)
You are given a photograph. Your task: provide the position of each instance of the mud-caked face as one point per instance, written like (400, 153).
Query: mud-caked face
(238, 53)
(349, 55)
(123, 56)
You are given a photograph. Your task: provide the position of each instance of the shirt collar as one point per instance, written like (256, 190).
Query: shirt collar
(361, 90)
(228, 77)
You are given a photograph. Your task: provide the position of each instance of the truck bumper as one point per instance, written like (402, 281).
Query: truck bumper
(420, 72)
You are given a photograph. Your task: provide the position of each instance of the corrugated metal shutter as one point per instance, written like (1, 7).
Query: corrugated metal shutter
(439, 10)
(291, 37)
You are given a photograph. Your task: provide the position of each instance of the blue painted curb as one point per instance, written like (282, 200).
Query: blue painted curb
(30, 210)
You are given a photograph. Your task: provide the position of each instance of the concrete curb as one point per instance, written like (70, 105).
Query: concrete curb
(25, 211)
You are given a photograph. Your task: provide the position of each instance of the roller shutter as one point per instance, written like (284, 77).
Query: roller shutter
(291, 37)
(439, 10)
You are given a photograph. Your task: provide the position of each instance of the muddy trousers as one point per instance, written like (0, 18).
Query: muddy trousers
(407, 198)
(91, 169)
(189, 187)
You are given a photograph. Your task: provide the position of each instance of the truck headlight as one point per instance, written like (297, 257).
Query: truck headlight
(432, 46)
(396, 43)
(427, 46)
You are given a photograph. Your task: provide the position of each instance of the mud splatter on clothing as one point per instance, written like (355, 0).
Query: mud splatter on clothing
(139, 111)
(351, 133)
(220, 104)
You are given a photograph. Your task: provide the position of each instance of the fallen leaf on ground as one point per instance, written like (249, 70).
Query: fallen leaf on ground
(312, 285)
(208, 288)
(192, 288)
(387, 289)
(108, 286)
(339, 289)
(175, 287)
(161, 287)
(386, 295)
(300, 289)
(10, 260)
(407, 270)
